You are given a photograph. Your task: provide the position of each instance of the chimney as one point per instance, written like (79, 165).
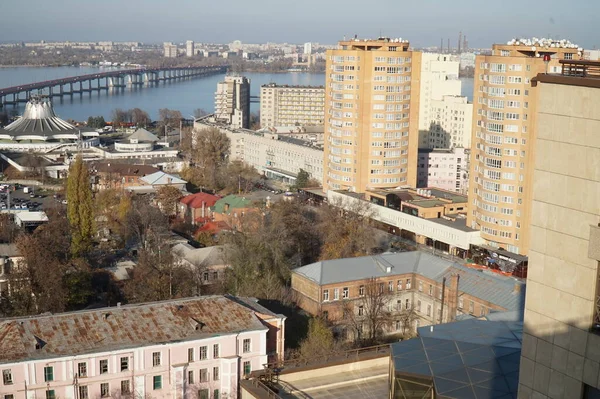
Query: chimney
(452, 301)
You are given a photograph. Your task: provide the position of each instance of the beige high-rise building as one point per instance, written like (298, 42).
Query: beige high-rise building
(501, 146)
(291, 105)
(371, 115)
(560, 357)
(189, 48)
(232, 102)
(170, 50)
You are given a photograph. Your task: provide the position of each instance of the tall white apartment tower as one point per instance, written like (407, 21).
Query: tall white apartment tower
(232, 102)
(189, 48)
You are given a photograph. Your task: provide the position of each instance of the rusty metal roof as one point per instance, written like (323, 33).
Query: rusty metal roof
(106, 329)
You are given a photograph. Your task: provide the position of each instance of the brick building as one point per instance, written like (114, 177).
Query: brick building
(413, 280)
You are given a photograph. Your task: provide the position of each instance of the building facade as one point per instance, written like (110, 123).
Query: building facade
(291, 105)
(371, 115)
(439, 77)
(561, 341)
(198, 347)
(450, 123)
(444, 168)
(170, 50)
(189, 48)
(411, 287)
(275, 156)
(232, 102)
(503, 133)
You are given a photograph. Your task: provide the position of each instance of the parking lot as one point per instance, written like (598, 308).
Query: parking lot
(34, 200)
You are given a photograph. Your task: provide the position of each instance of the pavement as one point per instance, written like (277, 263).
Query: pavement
(46, 201)
(357, 384)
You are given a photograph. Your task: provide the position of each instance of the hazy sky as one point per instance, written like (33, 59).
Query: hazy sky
(423, 22)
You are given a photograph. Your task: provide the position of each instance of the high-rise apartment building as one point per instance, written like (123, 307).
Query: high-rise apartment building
(170, 50)
(308, 48)
(561, 342)
(189, 48)
(444, 168)
(232, 102)
(291, 105)
(450, 123)
(503, 133)
(439, 77)
(371, 115)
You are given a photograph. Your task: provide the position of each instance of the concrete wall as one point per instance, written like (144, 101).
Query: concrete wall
(559, 353)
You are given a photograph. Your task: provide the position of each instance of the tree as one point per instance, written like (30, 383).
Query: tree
(96, 122)
(199, 113)
(237, 177)
(345, 230)
(118, 117)
(168, 198)
(80, 207)
(302, 179)
(370, 315)
(319, 341)
(407, 317)
(211, 151)
(139, 117)
(8, 229)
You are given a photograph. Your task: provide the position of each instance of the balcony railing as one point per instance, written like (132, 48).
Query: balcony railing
(581, 69)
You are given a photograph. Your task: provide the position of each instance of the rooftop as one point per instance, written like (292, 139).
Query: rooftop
(477, 359)
(574, 73)
(162, 178)
(138, 325)
(233, 201)
(198, 200)
(208, 256)
(123, 169)
(497, 289)
(9, 250)
(143, 135)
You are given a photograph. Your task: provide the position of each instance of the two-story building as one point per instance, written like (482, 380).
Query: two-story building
(195, 208)
(415, 282)
(187, 348)
(106, 175)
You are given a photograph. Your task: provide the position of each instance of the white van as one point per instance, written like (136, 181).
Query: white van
(26, 190)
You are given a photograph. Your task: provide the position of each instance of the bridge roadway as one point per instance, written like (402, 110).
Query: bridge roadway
(112, 79)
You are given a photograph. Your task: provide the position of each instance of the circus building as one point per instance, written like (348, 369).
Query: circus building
(40, 130)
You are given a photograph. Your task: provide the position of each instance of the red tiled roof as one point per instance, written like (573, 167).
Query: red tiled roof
(214, 227)
(195, 200)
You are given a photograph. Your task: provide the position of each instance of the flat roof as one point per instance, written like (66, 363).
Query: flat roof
(458, 223)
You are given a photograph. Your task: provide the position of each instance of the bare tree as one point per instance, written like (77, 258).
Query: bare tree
(407, 317)
(371, 314)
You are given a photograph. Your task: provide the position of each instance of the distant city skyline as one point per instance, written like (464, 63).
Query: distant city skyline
(423, 23)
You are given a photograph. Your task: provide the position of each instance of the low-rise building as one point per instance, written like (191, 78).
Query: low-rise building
(173, 349)
(291, 105)
(195, 208)
(10, 257)
(111, 175)
(276, 156)
(447, 169)
(413, 288)
(160, 179)
(231, 209)
(208, 264)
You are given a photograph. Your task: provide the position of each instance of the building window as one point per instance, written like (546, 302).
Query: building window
(50, 394)
(246, 345)
(191, 377)
(103, 366)
(390, 286)
(203, 375)
(471, 307)
(203, 353)
(9, 396)
(7, 378)
(429, 310)
(216, 394)
(82, 369)
(336, 294)
(361, 310)
(325, 295)
(104, 390)
(430, 290)
(190, 355)
(48, 374)
(482, 311)
(215, 351)
(345, 293)
(407, 306)
(216, 375)
(83, 392)
(420, 286)
(381, 288)
(419, 306)
(155, 359)
(125, 387)
(398, 305)
(408, 283)
(361, 290)
(124, 363)
(203, 394)
(399, 285)
(157, 382)
(460, 303)
(247, 368)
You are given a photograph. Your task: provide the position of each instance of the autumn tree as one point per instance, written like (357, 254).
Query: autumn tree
(139, 117)
(210, 153)
(238, 177)
(319, 341)
(119, 116)
(345, 230)
(80, 207)
(168, 198)
(370, 315)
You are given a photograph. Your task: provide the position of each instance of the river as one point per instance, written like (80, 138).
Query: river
(183, 95)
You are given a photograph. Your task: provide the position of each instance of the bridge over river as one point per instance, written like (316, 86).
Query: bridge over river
(103, 81)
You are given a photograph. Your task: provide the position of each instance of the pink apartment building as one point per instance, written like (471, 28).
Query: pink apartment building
(187, 348)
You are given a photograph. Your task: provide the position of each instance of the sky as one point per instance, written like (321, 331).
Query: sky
(422, 22)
